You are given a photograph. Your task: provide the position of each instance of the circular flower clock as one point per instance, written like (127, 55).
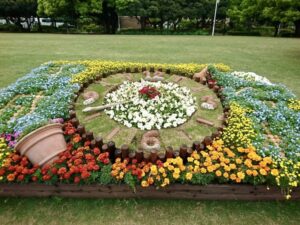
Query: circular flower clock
(239, 128)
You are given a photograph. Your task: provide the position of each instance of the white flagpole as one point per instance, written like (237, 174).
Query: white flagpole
(214, 23)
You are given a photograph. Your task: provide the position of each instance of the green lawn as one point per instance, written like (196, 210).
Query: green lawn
(277, 59)
(129, 212)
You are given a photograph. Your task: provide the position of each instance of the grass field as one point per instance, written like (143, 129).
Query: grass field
(277, 59)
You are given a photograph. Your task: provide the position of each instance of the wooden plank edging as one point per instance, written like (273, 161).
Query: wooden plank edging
(174, 191)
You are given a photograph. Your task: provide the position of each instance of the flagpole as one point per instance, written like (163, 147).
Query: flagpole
(214, 23)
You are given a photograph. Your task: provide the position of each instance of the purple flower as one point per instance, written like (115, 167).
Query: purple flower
(57, 120)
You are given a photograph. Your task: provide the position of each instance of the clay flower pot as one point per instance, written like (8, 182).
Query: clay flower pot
(43, 145)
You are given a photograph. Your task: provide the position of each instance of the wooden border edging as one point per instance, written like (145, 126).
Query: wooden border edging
(175, 191)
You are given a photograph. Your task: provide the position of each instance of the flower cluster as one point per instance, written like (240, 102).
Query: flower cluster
(239, 131)
(294, 104)
(289, 175)
(149, 92)
(4, 151)
(170, 108)
(78, 164)
(271, 108)
(32, 100)
(216, 163)
(95, 68)
(250, 76)
(11, 139)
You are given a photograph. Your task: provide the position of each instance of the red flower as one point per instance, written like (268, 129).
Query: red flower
(87, 143)
(11, 177)
(85, 175)
(34, 178)
(16, 157)
(25, 171)
(76, 180)
(11, 168)
(54, 170)
(76, 138)
(149, 92)
(62, 170)
(67, 176)
(96, 151)
(19, 169)
(70, 131)
(106, 161)
(20, 177)
(2, 171)
(96, 167)
(46, 177)
(89, 156)
(77, 162)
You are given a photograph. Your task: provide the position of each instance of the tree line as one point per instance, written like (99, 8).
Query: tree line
(156, 14)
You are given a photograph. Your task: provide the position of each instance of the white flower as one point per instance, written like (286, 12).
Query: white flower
(169, 109)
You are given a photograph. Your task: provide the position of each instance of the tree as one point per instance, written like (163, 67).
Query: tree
(69, 9)
(19, 11)
(282, 11)
(245, 13)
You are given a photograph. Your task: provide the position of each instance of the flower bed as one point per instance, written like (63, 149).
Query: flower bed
(260, 143)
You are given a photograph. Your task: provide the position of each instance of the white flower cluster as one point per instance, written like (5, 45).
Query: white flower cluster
(250, 76)
(170, 108)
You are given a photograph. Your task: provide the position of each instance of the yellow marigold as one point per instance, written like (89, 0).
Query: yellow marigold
(203, 170)
(196, 162)
(241, 175)
(114, 173)
(190, 159)
(182, 167)
(179, 161)
(227, 168)
(165, 182)
(240, 149)
(170, 167)
(150, 180)
(268, 160)
(238, 161)
(232, 176)
(263, 172)
(196, 169)
(211, 168)
(274, 172)
(232, 166)
(188, 176)
(118, 160)
(153, 170)
(162, 170)
(190, 168)
(195, 155)
(145, 183)
(176, 175)
(225, 175)
(177, 170)
(262, 164)
(248, 163)
(218, 173)
(249, 172)
(254, 173)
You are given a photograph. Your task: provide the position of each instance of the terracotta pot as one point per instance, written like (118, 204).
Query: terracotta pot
(43, 145)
